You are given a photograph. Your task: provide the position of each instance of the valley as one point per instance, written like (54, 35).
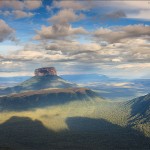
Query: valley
(88, 118)
(48, 109)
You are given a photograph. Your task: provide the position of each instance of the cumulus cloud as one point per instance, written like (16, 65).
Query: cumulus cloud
(48, 8)
(130, 9)
(141, 14)
(15, 4)
(5, 13)
(1, 57)
(32, 4)
(19, 9)
(120, 58)
(21, 14)
(123, 52)
(6, 32)
(20, 5)
(72, 48)
(75, 5)
(66, 16)
(120, 33)
(115, 15)
(58, 31)
(133, 9)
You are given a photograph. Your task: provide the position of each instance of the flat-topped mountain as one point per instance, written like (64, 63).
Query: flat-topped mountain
(45, 71)
(44, 78)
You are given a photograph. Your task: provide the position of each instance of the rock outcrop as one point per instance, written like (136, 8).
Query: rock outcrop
(45, 71)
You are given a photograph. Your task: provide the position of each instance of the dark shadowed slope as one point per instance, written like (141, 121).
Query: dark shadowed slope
(106, 135)
(140, 108)
(43, 98)
(37, 83)
(139, 114)
(21, 133)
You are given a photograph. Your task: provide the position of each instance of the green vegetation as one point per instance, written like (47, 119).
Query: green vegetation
(77, 119)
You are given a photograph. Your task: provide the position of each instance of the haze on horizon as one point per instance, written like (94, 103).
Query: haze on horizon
(76, 37)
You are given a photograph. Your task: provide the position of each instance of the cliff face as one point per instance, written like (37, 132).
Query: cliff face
(45, 71)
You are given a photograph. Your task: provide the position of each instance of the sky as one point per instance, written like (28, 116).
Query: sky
(76, 37)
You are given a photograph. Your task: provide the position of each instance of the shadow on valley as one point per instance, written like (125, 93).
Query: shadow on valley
(21, 133)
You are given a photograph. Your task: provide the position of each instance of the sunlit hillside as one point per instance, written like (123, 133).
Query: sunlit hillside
(75, 113)
(54, 117)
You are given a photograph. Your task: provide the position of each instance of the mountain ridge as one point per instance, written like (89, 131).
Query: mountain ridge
(43, 98)
(37, 83)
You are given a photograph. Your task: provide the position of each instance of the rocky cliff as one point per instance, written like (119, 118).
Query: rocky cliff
(45, 71)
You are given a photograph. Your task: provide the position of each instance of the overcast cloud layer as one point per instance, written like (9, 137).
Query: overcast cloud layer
(76, 37)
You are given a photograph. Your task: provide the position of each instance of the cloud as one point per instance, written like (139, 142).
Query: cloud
(1, 57)
(29, 4)
(115, 15)
(127, 66)
(133, 9)
(48, 8)
(120, 33)
(74, 5)
(116, 53)
(66, 16)
(141, 14)
(21, 14)
(20, 5)
(5, 13)
(58, 31)
(130, 9)
(119, 60)
(6, 62)
(72, 48)
(15, 4)
(135, 5)
(6, 32)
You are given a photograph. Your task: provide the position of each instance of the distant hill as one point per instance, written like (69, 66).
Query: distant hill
(107, 87)
(43, 98)
(37, 83)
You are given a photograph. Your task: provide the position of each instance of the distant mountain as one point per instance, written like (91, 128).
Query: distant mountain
(14, 79)
(144, 82)
(84, 78)
(111, 88)
(43, 98)
(37, 83)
